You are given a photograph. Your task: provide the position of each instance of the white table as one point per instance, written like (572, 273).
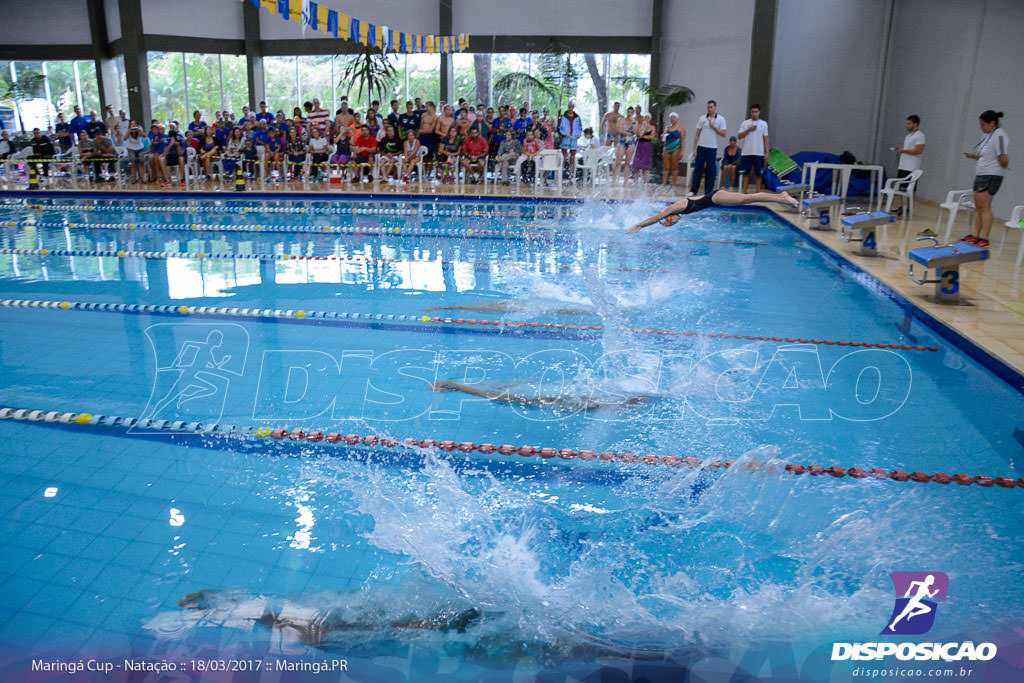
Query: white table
(841, 178)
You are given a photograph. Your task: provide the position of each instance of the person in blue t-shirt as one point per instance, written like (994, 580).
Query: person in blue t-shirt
(78, 122)
(520, 124)
(264, 115)
(197, 126)
(95, 126)
(410, 120)
(156, 154)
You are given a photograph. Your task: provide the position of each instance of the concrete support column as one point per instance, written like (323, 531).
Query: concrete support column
(136, 66)
(253, 56)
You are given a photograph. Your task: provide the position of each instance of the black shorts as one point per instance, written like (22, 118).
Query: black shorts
(987, 183)
(752, 162)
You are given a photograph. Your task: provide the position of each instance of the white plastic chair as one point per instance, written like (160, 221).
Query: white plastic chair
(549, 160)
(189, 167)
(955, 201)
(901, 187)
(1015, 223)
(588, 162)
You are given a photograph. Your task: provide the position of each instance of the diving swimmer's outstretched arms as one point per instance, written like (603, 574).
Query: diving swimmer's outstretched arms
(670, 214)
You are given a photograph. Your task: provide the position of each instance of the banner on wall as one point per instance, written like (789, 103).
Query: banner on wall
(315, 16)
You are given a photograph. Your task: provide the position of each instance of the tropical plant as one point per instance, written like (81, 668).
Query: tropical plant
(371, 72)
(13, 93)
(557, 76)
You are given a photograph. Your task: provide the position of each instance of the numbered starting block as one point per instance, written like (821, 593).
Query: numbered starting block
(866, 223)
(822, 211)
(946, 259)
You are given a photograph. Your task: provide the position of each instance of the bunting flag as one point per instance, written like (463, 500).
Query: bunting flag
(314, 15)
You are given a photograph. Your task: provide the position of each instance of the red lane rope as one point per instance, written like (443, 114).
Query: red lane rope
(680, 333)
(645, 459)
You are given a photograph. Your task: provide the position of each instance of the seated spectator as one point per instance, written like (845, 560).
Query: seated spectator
(296, 153)
(7, 146)
(42, 148)
(447, 151)
(208, 149)
(731, 163)
(173, 156)
(95, 125)
(509, 152)
(410, 154)
(390, 149)
(364, 149)
(135, 149)
(232, 151)
(342, 148)
(275, 151)
(474, 156)
(158, 143)
(531, 148)
(251, 158)
(317, 148)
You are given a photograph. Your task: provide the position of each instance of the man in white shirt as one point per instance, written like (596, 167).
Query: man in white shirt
(753, 137)
(710, 127)
(912, 149)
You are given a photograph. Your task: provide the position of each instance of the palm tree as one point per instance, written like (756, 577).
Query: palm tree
(13, 93)
(371, 71)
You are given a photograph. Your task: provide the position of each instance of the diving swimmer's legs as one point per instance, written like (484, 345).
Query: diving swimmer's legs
(727, 198)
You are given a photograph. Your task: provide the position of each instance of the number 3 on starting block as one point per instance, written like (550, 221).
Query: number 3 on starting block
(950, 281)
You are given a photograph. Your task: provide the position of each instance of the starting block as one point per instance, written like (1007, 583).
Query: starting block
(946, 259)
(824, 208)
(866, 223)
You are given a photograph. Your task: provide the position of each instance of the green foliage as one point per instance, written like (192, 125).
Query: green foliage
(371, 73)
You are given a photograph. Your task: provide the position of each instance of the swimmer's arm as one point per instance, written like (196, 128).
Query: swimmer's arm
(678, 207)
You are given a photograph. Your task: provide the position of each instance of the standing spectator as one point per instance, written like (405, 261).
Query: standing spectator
(173, 157)
(445, 121)
(410, 120)
(124, 124)
(710, 127)
(548, 124)
(753, 137)
(264, 115)
(197, 127)
(643, 158)
(275, 152)
(520, 124)
(730, 163)
(63, 132)
(912, 149)
(570, 128)
(110, 121)
(992, 156)
(675, 140)
(474, 156)
(319, 117)
(428, 132)
(393, 115)
(509, 152)
(626, 141)
(609, 129)
(342, 148)
(77, 125)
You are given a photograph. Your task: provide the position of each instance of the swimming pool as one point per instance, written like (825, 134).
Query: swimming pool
(233, 330)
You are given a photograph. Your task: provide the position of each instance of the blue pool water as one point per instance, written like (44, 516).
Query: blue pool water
(416, 563)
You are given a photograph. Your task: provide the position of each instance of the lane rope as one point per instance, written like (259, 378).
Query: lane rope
(467, 447)
(314, 316)
(121, 253)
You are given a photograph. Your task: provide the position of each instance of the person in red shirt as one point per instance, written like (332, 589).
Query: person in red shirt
(474, 155)
(364, 147)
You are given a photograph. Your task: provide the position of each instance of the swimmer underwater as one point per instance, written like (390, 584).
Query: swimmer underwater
(670, 214)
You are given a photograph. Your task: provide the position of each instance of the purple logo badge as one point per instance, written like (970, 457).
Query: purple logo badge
(916, 596)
